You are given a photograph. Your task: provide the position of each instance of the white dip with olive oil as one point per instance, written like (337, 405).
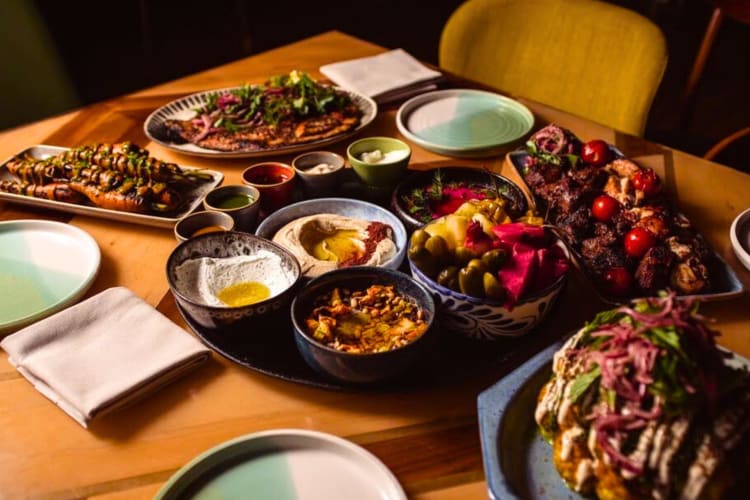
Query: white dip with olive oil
(232, 281)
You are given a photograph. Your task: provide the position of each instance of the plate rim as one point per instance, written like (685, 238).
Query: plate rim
(739, 222)
(369, 116)
(316, 380)
(491, 419)
(410, 105)
(83, 240)
(333, 441)
(147, 219)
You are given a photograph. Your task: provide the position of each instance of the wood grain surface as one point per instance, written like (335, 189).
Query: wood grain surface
(427, 436)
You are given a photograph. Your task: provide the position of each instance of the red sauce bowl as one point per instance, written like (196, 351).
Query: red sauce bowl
(274, 181)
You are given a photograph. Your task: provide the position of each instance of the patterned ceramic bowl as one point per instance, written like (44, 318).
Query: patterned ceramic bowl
(487, 319)
(282, 274)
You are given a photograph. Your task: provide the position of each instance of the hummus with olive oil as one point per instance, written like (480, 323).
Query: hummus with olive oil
(324, 242)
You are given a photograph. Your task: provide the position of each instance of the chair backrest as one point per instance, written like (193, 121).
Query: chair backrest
(586, 57)
(34, 83)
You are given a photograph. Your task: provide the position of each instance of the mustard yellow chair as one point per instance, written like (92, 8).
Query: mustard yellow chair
(586, 57)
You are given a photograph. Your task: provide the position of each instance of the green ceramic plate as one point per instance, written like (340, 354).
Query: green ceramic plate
(464, 122)
(285, 464)
(44, 267)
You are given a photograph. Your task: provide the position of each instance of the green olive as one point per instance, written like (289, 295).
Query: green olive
(470, 281)
(424, 260)
(420, 237)
(448, 277)
(477, 264)
(415, 251)
(463, 255)
(437, 246)
(492, 287)
(495, 258)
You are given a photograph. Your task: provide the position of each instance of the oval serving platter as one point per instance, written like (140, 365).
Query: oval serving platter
(184, 109)
(464, 123)
(269, 348)
(725, 282)
(284, 464)
(44, 267)
(192, 197)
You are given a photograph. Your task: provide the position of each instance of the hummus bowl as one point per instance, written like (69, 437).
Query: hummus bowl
(231, 278)
(334, 227)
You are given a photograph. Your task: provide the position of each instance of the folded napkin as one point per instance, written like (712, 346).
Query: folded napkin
(385, 77)
(103, 353)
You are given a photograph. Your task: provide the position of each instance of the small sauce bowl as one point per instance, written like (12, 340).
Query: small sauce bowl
(199, 223)
(379, 161)
(274, 181)
(319, 171)
(241, 203)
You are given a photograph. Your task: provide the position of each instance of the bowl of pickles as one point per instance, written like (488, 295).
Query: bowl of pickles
(494, 276)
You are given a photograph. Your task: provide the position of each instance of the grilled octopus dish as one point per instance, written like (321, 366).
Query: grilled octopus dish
(642, 404)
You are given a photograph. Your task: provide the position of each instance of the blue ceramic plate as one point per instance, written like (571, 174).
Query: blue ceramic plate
(44, 267)
(284, 464)
(464, 122)
(517, 461)
(725, 284)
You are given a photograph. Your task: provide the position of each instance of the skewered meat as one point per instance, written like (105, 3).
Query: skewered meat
(653, 272)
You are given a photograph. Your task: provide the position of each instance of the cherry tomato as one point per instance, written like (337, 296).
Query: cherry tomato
(638, 241)
(596, 153)
(647, 181)
(618, 281)
(604, 208)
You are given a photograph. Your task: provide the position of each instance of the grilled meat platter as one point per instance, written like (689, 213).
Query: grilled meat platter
(614, 215)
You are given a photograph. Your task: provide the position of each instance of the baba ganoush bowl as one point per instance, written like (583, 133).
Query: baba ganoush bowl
(235, 266)
(306, 229)
(361, 367)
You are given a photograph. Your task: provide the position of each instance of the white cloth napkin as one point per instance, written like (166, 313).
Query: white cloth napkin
(384, 77)
(103, 353)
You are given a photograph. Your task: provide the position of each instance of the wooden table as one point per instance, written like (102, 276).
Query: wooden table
(428, 437)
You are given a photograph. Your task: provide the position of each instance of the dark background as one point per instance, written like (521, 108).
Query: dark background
(104, 49)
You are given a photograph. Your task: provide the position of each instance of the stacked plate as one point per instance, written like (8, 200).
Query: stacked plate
(285, 464)
(464, 123)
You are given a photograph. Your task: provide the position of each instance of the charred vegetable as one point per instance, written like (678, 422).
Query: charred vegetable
(114, 176)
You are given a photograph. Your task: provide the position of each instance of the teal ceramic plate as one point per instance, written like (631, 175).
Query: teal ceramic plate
(517, 461)
(284, 464)
(464, 122)
(44, 267)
